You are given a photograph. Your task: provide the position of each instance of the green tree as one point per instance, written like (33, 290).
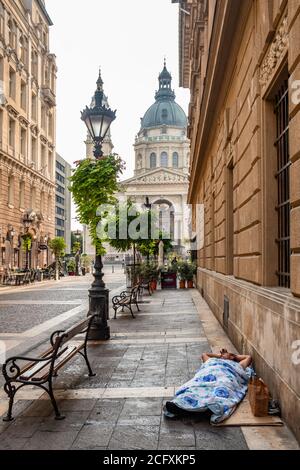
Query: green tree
(57, 246)
(76, 247)
(94, 183)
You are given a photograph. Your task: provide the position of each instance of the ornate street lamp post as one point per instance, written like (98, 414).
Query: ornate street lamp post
(28, 218)
(98, 120)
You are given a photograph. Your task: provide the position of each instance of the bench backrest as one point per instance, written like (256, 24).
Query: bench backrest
(134, 293)
(64, 336)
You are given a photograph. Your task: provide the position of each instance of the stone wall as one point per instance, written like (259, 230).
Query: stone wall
(252, 49)
(265, 324)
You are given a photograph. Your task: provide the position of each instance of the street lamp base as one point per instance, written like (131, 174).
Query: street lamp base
(99, 302)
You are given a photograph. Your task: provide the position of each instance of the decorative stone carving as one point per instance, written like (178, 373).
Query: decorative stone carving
(23, 121)
(275, 53)
(43, 139)
(12, 111)
(34, 130)
(162, 178)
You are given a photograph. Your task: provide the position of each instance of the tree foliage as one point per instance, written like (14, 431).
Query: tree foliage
(57, 245)
(94, 183)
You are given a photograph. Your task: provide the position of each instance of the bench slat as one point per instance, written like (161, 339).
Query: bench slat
(30, 364)
(44, 372)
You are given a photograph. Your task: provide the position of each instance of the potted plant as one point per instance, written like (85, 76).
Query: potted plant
(183, 270)
(190, 275)
(57, 245)
(154, 276)
(85, 262)
(71, 267)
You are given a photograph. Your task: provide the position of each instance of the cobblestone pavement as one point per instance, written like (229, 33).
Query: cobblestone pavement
(146, 359)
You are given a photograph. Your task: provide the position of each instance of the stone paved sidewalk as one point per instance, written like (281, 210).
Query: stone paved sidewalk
(146, 359)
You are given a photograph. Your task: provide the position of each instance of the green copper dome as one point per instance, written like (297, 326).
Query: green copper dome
(165, 111)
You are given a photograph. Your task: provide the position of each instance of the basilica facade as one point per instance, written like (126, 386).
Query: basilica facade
(162, 152)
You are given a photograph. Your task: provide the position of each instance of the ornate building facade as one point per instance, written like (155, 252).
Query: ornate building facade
(27, 132)
(162, 152)
(241, 61)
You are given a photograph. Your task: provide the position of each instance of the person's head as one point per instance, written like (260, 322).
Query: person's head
(227, 355)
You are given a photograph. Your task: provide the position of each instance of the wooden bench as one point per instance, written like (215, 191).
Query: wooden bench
(126, 299)
(41, 370)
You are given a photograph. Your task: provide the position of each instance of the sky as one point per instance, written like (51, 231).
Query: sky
(129, 40)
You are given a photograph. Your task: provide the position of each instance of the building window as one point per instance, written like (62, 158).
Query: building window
(12, 83)
(23, 96)
(34, 64)
(60, 233)
(52, 84)
(1, 76)
(60, 178)
(60, 222)
(34, 106)
(60, 189)
(60, 200)
(60, 211)
(12, 133)
(11, 190)
(164, 160)
(49, 206)
(60, 167)
(50, 125)
(50, 164)
(22, 195)
(1, 19)
(12, 33)
(283, 184)
(33, 198)
(44, 118)
(43, 160)
(23, 142)
(23, 49)
(33, 150)
(175, 160)
(42, 202)
(164, 114)
(153, 160)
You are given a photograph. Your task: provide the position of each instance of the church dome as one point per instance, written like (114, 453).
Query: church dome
(165, 111)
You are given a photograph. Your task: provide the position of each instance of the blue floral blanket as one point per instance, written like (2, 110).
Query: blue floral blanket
(219, 385)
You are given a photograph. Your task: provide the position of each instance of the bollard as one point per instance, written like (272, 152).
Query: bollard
(112, 269)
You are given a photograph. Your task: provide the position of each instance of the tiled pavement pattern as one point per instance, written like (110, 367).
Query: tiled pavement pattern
(137, 370)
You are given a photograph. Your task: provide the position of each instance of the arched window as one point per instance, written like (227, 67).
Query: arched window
(175, 160)
(164, 160)
(153, 160)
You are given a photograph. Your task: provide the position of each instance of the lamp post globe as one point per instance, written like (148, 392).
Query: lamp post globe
(98, 119)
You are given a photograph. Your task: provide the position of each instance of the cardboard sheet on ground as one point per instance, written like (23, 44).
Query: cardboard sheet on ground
(243, 416)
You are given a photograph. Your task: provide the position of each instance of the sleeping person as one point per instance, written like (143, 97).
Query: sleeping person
(219, 386)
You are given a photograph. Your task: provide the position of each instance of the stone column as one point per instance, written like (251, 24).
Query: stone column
(294, 69)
